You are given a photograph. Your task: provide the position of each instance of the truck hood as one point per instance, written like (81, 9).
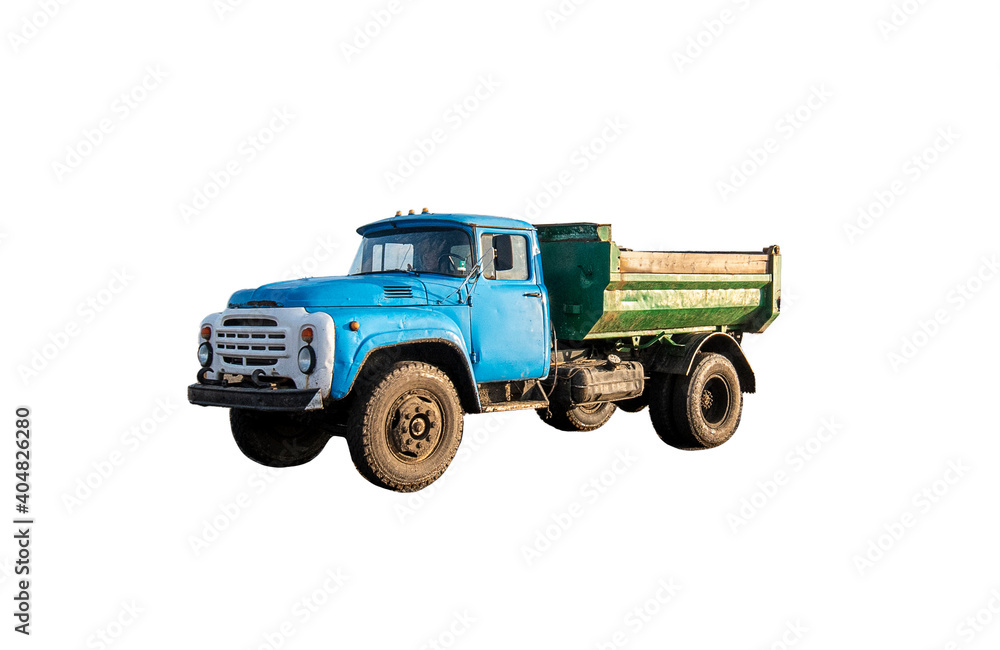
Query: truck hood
(389, 289)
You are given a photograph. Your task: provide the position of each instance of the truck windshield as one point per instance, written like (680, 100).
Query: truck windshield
(446, 251)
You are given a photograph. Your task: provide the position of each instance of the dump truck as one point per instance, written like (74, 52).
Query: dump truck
(443, 315)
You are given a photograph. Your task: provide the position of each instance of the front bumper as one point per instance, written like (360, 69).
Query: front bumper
(258, 399)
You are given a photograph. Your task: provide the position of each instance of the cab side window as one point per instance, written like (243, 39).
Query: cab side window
(520, 270)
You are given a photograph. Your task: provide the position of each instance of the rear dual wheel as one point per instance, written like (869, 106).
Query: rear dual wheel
(699, 410)
(633, 404)
(582, 417)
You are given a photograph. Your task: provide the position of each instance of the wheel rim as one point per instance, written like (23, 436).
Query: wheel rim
(415, 423)
(715, 400)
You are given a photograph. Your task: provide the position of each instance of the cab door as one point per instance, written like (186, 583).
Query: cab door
(510, 331)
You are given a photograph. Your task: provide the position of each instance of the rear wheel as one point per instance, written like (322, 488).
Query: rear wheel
(700, 410)
(405, 428)
(633, 404)
(278, 439)
(582, 417)
(659, 392)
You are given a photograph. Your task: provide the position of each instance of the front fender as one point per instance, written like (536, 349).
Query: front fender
(381, 328)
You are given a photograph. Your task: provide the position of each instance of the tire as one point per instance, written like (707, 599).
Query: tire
(634, 404)
(659, 393)
(405, 428)
(706, 405)
(278, 439)
(583, 417)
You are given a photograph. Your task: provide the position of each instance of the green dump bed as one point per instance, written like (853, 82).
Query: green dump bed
(597, 290)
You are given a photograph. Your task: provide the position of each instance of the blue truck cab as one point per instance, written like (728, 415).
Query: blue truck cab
(412, 283)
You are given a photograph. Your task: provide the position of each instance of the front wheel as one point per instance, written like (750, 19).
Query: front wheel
(405, 428)
(277, 439)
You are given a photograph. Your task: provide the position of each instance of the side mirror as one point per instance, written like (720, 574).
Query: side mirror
(503, 253)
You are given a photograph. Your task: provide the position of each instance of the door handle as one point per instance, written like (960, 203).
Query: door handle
(534, 294)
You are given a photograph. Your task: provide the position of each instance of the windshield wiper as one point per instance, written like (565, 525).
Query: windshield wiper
(411, 271)
(475, 272)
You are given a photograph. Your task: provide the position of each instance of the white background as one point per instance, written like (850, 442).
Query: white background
(449, 564)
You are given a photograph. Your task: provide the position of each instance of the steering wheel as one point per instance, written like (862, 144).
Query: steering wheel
(450, 257)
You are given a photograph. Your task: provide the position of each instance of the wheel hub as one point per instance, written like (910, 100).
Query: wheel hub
(414, 427)
(715, 400)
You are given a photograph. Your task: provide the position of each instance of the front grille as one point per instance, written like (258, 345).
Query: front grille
(260, 362)
(398, 292)
(252, 341)
(250, 361)
(250, 322)
(255, 348)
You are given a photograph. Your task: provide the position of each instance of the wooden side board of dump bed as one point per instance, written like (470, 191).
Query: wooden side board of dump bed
(694, 263)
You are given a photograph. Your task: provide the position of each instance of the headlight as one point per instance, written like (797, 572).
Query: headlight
(307, 359)
(205, 354)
